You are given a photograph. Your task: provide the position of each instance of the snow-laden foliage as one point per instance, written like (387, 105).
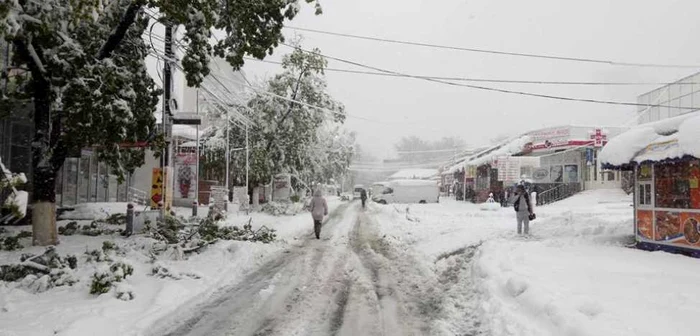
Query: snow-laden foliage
(40, 273)
(296, 127)
(85, 74)
(92, 100)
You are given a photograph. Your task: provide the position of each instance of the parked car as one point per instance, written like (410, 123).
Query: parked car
(409, 191)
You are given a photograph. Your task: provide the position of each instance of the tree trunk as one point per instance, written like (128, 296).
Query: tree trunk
(44, 175)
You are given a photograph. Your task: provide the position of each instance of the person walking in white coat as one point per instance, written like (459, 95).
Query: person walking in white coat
(319, 209)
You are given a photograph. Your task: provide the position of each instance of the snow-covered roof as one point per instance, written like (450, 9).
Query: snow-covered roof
(413, 182)
(668, 139)
(418, 174)
(187, 132)
(511, 148)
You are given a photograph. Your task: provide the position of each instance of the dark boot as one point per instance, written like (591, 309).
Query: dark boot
(317, 229)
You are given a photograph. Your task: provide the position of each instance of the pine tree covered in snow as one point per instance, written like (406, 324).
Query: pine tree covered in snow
(86, 76)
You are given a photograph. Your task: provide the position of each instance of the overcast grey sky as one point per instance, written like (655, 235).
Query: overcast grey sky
(641, 31)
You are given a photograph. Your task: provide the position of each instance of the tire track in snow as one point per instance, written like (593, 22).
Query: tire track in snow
(240, 306)
(394, 295)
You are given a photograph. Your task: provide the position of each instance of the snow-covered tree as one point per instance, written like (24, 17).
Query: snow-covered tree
(285, 132)
(289, 133)
(86, 76)
(330, 157)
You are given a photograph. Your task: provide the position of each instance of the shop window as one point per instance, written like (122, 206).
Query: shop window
(676, 185)
(611, 176)
(644, 194)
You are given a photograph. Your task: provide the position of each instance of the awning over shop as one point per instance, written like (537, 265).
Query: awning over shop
(669, 139)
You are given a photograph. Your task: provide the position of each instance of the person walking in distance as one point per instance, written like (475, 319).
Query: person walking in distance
(363, 197)
(319, 208)
(523, 209)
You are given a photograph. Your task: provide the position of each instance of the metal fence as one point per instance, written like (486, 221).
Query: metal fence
(558, 193)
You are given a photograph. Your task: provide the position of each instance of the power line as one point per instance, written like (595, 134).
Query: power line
(486, 80)
(497, 52)
(485, 88)
(327, 111)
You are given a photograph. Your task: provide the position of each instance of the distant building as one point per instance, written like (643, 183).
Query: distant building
(556, 161)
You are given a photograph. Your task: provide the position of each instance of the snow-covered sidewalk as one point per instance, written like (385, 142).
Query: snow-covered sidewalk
(71, 310)
(574, 276)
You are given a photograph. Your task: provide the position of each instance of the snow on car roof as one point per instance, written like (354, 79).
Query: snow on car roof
(668, 139)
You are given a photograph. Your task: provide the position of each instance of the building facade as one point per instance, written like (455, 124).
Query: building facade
(674, 99)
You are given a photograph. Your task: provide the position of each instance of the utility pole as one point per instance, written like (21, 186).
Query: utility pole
(247, 158)
(196, 170)
(228, 152)
(167, 96)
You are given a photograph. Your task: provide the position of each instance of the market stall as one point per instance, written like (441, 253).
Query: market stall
(665, 158)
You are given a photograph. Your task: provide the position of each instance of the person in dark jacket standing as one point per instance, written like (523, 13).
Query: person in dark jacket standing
(523, 209)
(363, 197)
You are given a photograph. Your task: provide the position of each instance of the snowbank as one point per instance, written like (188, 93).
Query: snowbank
(574, 276)
(186, 281)
(94, 211)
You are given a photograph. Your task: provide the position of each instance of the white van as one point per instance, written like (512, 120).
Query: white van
(357, 190)
(377, 188)
(409, 191)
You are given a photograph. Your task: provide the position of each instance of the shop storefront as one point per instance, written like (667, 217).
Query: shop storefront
(666, 177)
(85, 179)
(667, 204)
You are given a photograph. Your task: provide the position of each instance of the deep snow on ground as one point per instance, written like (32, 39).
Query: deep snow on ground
(574, 276)
(73, 311)
(438, 269)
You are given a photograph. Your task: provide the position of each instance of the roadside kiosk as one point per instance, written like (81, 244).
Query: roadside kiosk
(665, 158)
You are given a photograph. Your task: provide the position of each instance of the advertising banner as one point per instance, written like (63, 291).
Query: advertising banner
(541, 175)
(571, 173)
(668, 226)
(157, 182)
(589, 156)
(186, 167)
(508, 168)
(556, 174)
(645, 224)
(282, 187)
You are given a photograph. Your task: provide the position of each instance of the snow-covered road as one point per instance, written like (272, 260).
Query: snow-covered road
(347, 283)
(452, 268)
